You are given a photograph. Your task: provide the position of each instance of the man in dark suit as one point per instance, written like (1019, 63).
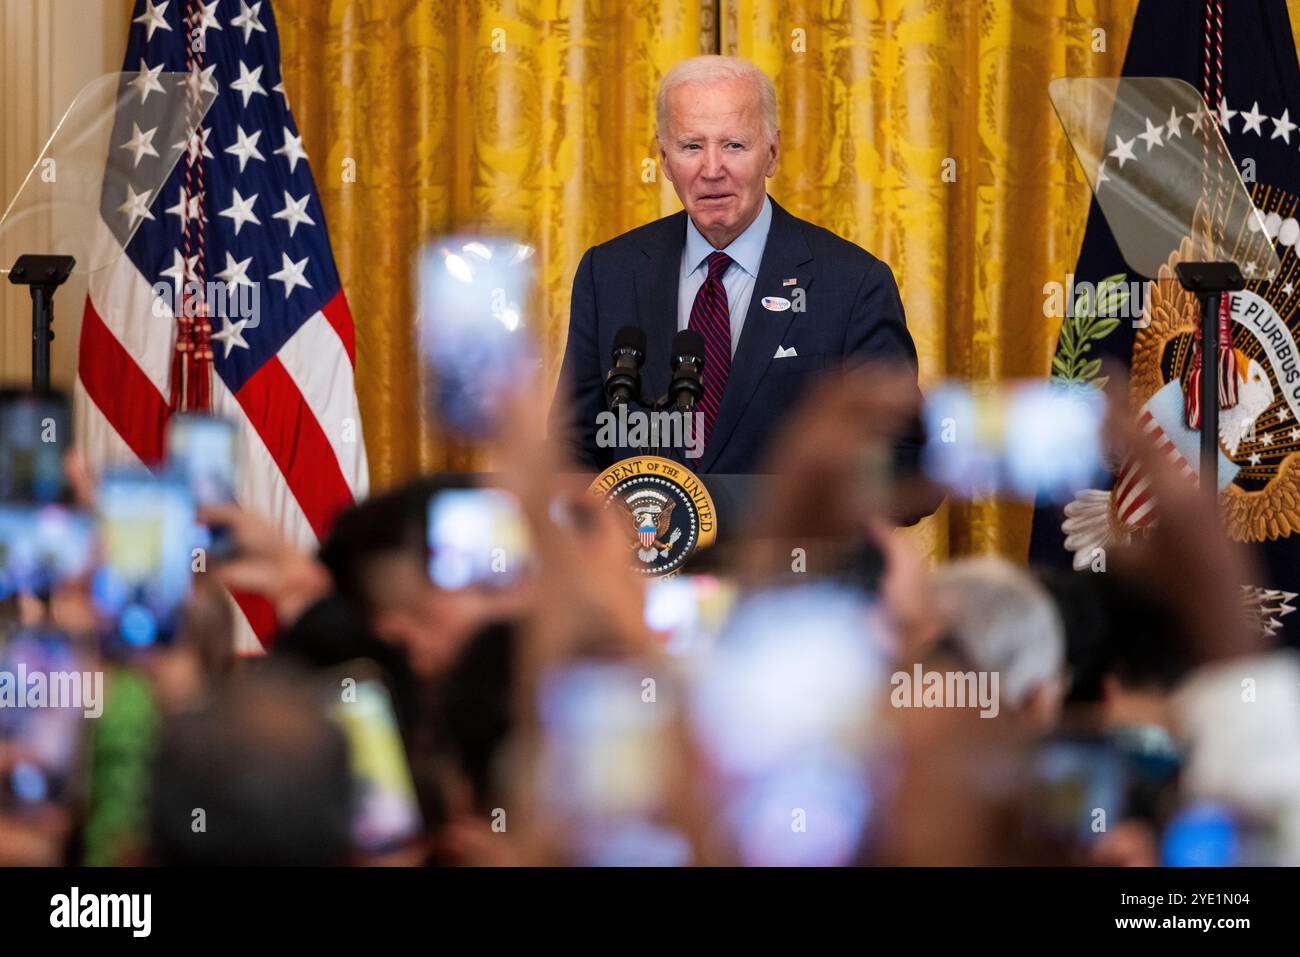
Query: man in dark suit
(777, 300)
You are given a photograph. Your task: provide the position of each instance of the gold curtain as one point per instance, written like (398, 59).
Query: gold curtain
(426, 116)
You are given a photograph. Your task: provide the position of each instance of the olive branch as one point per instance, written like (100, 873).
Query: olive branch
(1080, 331)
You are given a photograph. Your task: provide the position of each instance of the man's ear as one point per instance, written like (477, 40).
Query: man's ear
(774, 149)
(663, 161)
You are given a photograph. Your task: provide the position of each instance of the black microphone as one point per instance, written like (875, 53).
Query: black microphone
(687, 385)
(623, 382)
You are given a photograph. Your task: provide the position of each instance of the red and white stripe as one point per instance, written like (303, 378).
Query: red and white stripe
(1134, 501)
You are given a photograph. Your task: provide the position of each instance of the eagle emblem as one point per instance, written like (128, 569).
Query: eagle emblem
(1259, 433)
(669, 512)
(650, 524)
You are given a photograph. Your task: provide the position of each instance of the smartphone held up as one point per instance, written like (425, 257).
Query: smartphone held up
(1026, 440)
(147, 532)
(44, 539)
(476, 341)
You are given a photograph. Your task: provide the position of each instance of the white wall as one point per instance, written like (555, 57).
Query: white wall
(49, 49)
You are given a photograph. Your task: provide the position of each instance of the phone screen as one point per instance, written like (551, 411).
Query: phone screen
(477, 536)
(39, 746)
(474, 296)
(202, 448)
(386, 810)
(42, 546)
(1072, 781)
(146, 531)
(688, 611)
(1210, 835)
(784, 710)
(35, 434)
(1025, 440)
(605, 766)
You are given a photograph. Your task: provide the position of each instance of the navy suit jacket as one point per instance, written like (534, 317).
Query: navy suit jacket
(852, 314)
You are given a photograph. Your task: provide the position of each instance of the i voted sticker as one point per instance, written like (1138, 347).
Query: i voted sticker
(776, 303)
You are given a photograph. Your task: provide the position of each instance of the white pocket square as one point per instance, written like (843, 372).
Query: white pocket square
(782, 353)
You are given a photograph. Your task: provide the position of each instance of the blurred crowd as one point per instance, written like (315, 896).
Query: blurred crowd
(811, 692)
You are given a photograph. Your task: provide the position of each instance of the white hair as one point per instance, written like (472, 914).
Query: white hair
(1002, 619)
(709, 68)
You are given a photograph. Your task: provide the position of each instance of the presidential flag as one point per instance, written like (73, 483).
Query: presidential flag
(1241, 57)
(240, 209)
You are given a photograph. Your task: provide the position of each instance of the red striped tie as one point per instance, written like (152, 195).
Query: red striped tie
(711, 318)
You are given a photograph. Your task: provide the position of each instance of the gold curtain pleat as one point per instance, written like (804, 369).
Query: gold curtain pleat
(426, 116)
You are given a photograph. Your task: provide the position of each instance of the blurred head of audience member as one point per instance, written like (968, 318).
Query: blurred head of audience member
(377, 554)
(259, 776)
(998, 619)
(1125, 652)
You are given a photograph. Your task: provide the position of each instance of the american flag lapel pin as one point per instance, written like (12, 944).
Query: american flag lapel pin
(789, 282)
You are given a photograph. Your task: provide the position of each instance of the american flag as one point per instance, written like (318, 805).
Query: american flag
(240, 207)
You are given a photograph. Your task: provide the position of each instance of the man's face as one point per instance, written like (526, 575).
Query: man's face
(716, 155)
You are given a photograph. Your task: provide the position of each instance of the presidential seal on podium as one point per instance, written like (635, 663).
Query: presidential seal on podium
(670, 514)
